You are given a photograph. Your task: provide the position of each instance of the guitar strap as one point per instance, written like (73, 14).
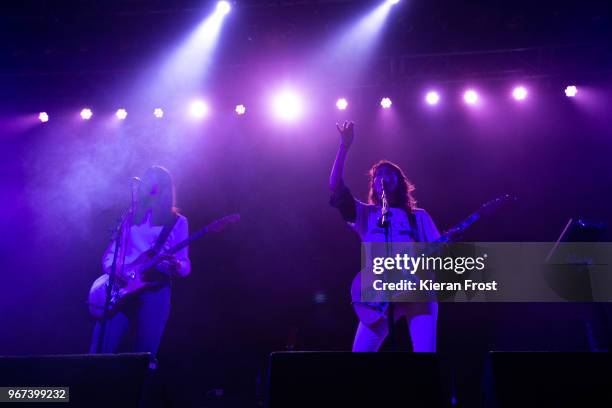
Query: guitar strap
(414, 227)
(163, 235)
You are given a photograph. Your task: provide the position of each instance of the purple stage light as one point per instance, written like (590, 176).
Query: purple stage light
(158, 113)
(198, 109)
(470, 97)
(240, 109)
(86, 114)
(432, 98)
(43, 117)
(223, 7)
(121, 114)
(288, 105)
(571, 91)
(385, 103)
(393, 1)
(519, 93)
(341, 104)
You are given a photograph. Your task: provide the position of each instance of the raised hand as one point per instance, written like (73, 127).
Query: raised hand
(346, 133)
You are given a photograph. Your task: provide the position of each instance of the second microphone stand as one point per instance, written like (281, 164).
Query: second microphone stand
(122, 228)
(384, 223)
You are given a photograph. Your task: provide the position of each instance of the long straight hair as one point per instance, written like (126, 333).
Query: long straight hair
(164, 205)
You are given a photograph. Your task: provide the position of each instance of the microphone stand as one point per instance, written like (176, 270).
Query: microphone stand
(125, 222)
(384, 223)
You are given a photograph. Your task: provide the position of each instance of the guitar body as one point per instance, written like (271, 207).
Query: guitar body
(367, 312)
(132, 283)
(372, 311)
(140, 274)
(97, 297)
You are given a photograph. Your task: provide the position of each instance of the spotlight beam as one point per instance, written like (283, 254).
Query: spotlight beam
(189, 64)
(353, 46)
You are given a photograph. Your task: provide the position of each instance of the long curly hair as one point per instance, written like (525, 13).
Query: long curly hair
(402, 196)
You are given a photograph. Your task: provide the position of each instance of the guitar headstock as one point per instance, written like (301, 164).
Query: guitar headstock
(490, 207)
(222, 223)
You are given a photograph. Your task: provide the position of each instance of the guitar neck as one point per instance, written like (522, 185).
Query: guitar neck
(186, 242)
(452, 233)
(214, 226)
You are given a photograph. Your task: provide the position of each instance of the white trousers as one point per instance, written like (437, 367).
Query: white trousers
(422, 321)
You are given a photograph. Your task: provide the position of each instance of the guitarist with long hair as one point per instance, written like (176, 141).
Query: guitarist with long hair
(155, 223)
(407, 224)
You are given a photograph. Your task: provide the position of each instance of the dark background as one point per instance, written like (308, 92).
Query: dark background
(283, 273)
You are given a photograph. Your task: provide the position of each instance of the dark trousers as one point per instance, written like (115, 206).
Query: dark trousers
(146, 315)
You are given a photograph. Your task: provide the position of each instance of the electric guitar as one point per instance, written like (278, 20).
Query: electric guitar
(370, 312)
(133, 280)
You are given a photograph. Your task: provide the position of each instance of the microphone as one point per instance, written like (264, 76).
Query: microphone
(383, 221)
(135, 184)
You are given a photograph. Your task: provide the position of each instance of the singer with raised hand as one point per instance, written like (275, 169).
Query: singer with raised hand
(404, 223)
(152, 224)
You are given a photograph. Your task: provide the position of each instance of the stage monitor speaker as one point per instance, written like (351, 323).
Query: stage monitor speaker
(105, 380)
(344, 379)
(551, 379)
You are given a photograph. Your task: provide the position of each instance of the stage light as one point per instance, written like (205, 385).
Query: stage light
(43, 117)
(342, 104)
(393, 1)
(385, 103)
(470, 97)
(571, 91)
(86, 114)
(223, 7)
(121, 114)
(198, 109)
(240, 109)
(158, 113)
(432, 98)
(288, 105)
(519, 93)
